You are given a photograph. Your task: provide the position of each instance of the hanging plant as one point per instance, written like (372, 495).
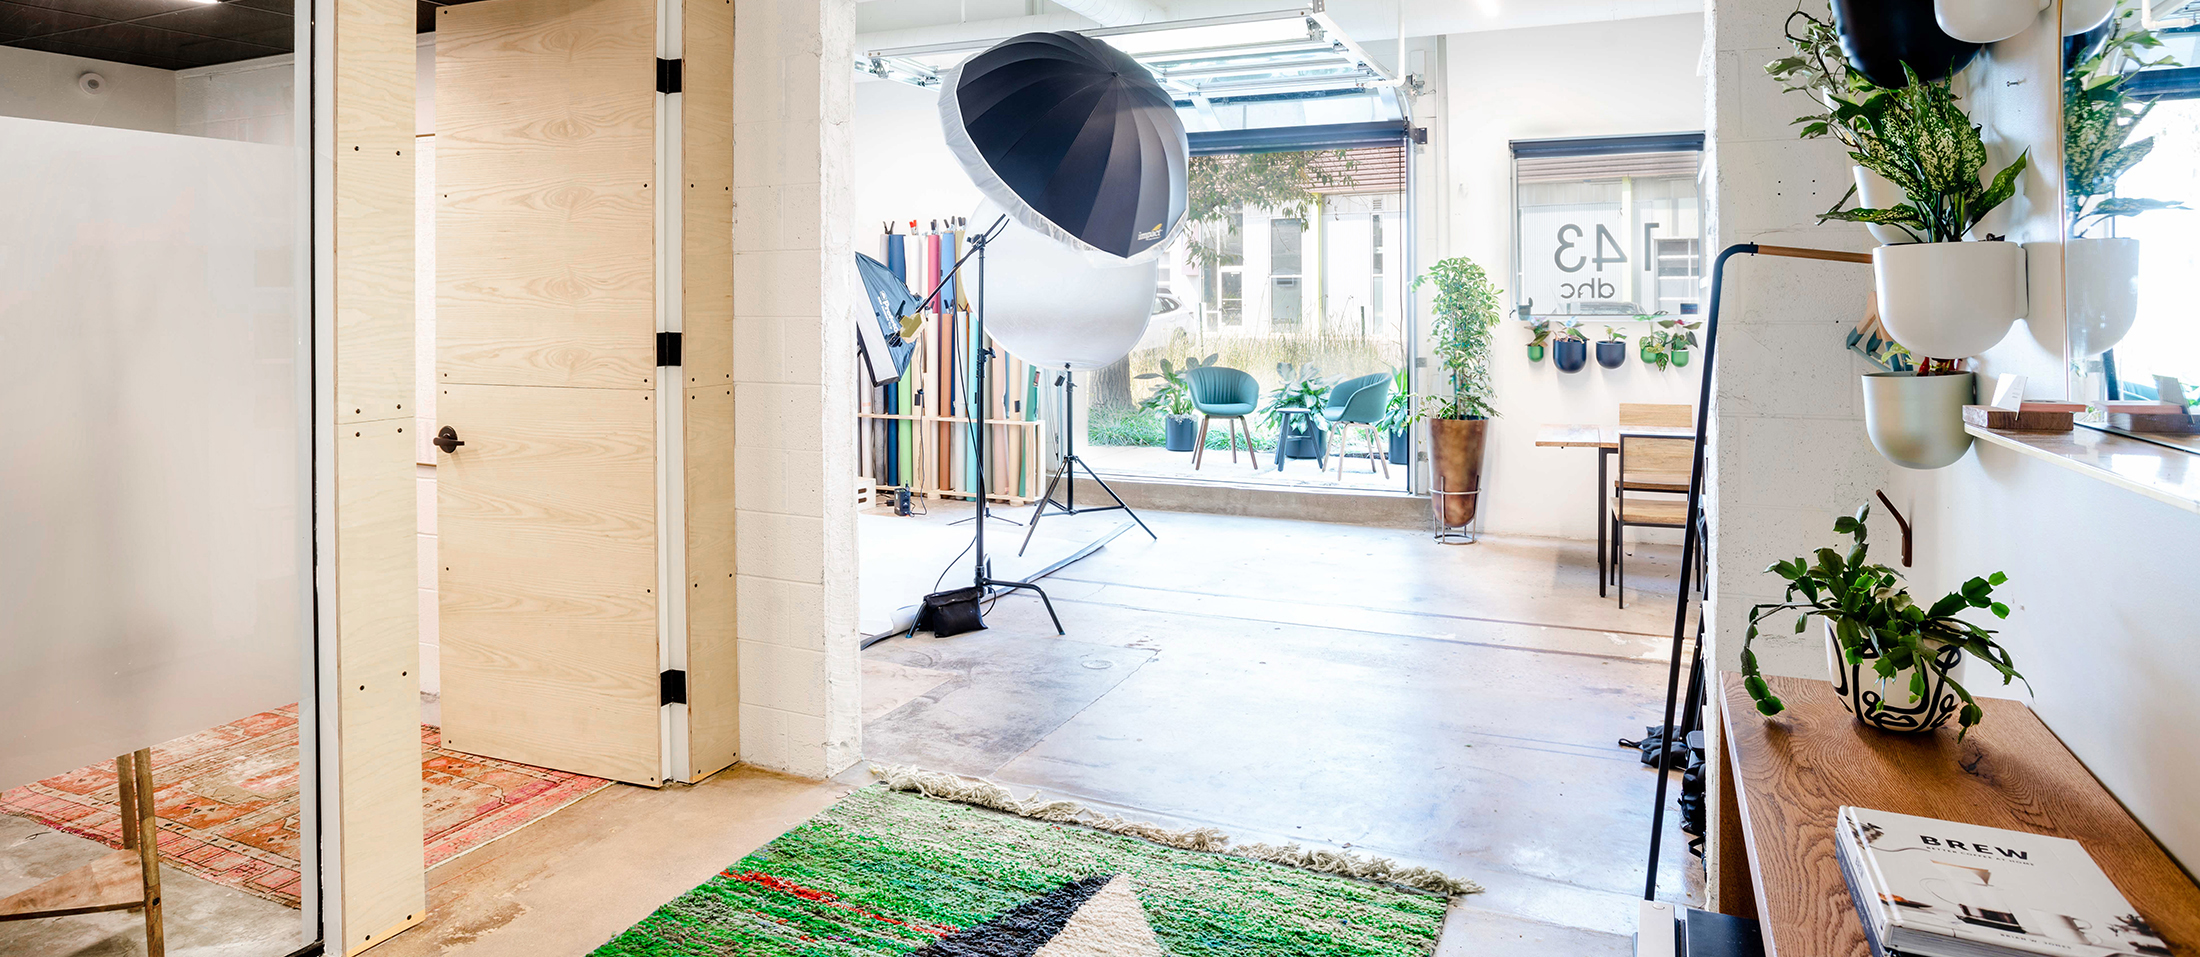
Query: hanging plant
(1536, 346)
(1920, 139)
(2099, 116)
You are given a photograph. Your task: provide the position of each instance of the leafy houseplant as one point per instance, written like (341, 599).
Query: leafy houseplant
(1536, 346)
(1569, 346)
(1301, 387)
(2099, 117)
(1397, 420)
(1172, 397)
(1656, 348)
(1680, 336)
(1873, 623)
(1612, 350)
(1465, 316)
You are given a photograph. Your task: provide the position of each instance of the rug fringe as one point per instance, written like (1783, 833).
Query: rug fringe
(986, 794)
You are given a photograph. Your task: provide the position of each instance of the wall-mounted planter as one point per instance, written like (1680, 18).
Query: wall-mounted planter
(1680, 356)
(1917, 421)
(2103, 278)
(1949, 300)
(1535, 353)
(1881, 35)
(1611, 353)
(1985, 21)
(1570, 355)
(1874, 191)
(2085, 16)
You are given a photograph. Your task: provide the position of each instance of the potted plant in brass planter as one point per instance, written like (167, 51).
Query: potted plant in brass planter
(1464, 317)
(1893, 660)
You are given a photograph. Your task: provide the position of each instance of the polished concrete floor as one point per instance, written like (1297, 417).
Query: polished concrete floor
(1454, 706)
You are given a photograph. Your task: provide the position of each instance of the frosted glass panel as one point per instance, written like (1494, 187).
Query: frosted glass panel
(150, 462)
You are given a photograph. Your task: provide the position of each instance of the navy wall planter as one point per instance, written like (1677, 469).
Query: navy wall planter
(1611, 354)
(1569, 355)
(1881, 35)
(1180, 432)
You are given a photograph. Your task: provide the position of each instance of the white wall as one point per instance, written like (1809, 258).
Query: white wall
(43, 86)
(1594, 79)
(903, 170)
(249, 101)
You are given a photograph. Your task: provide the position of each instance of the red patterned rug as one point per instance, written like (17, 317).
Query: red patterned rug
(228, 802)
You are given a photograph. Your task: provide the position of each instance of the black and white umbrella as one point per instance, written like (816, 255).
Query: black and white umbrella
(1073, 138)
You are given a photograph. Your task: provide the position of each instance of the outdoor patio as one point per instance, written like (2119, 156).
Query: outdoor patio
(1154, 462)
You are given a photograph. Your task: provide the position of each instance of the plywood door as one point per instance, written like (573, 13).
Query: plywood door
(546, 369)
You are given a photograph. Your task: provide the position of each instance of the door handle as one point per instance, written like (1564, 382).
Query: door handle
(447, 440)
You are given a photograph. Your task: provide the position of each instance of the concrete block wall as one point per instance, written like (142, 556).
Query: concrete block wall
(794, 349)
(1789, 450)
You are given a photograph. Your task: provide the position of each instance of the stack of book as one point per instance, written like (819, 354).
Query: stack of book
(1927, 888)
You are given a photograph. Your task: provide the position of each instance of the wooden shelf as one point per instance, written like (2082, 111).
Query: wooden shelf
(2163, 474)
(1787, 775)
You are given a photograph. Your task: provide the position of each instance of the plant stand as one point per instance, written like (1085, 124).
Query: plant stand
(128, 879)
(1466, 534)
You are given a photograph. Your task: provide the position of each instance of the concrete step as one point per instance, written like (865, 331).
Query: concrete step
(1309, 504)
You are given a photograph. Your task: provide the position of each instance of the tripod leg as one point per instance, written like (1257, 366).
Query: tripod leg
(1040, 511)
(1036, 590)
(1125, 506)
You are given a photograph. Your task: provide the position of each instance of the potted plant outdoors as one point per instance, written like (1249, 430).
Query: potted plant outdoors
(1569, 347)
(2099, 116)
(1941, 296)
(1612, 349)
(1397, 420)
(1464, 317)
(1893, 660)
(1537, 345)
(1172, 397)
(1302, 436)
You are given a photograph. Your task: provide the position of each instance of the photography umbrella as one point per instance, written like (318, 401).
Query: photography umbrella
(1073, 138)
(884, 349)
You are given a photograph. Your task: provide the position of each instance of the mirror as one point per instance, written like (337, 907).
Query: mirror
(2131, 118)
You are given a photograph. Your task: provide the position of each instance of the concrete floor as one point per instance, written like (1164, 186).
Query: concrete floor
(202, 919)
(1454, 706)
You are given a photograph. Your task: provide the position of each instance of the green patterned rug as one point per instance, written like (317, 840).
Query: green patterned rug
(884, 872)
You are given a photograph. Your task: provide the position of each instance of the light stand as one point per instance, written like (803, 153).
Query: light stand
(1694, 530)
(1071, 462)
(983, 579)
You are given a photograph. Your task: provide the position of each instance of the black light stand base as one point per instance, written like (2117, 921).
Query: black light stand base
(1071, 462)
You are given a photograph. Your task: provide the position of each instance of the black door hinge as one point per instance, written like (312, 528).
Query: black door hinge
(672, 687)
(668, 75)
(668, 348)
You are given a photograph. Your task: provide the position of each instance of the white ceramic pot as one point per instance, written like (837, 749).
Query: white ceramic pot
(1949, 300)
(1985, 21)
(2079, 16)
(1888, 703)
(1874, 191)
(1917, 421)
(2103, 280)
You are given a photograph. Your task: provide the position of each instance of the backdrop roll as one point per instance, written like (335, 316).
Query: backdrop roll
(1049, 304)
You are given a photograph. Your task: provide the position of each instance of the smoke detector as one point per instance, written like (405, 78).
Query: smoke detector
(92, 84)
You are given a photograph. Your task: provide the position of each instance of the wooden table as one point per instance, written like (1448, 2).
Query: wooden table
(1788, 774)
(1605, 439)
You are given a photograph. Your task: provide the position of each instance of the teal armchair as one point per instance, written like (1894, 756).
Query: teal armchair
(1359, 402)
(1226, 394)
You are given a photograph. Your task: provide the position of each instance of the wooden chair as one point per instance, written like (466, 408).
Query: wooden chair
(1653, 461)
(128, 879)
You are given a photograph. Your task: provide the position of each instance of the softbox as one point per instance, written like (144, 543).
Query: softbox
(1073, 138)
(878, 337)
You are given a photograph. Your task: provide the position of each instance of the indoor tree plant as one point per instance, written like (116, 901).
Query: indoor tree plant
(1464, 315)
(2099, 116)
(1893, 660)
(1172, 397)
(1536, 346)
(1299, 387)
(1569, 346)
(1612, 349)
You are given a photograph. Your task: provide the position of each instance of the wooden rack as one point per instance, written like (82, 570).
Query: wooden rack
(916, 434)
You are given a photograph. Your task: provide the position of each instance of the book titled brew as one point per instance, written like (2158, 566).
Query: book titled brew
(1930, 888)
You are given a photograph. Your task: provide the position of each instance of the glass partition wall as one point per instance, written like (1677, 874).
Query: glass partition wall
(155, 464)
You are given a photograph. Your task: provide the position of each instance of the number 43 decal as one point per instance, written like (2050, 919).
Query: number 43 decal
(1604, 240)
